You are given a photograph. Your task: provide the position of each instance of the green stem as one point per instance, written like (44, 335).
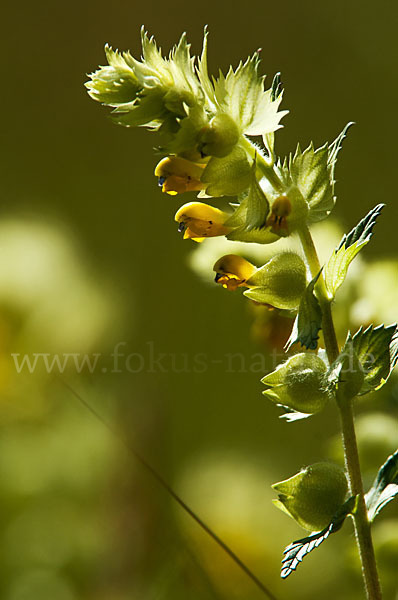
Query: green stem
(361, 522)
(329, 334)
(362, 525)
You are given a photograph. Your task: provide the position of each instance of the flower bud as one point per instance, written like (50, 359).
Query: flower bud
(288, 212)
(312, 496)
(219, 137)
(299, 383)
(233, 271)
(178, 175)
(280, 283)
(199, 221)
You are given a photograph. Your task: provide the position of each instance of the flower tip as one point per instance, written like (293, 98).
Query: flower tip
(178, 175)
(233, 271)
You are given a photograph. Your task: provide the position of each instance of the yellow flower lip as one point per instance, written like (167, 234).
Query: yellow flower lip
(233, 271)
(199, 221)
(178, 175)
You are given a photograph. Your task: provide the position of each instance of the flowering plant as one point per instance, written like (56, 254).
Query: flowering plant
(206, 127)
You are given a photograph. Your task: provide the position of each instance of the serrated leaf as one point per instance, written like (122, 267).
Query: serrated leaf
(377, 350)
(298, 550)
(312, 171)
(241, 93)
(384, 488)
(308, 321)
(203, 75)
(309, 172)
(276, 87)
(336, 268)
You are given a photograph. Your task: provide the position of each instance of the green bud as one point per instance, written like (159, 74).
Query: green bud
(280, 282)
(219, 137)
(312, 496)
(299, 383)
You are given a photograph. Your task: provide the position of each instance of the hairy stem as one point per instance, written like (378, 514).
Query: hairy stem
(361, 522)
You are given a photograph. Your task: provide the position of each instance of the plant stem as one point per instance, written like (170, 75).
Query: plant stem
(266, 168)
(329, 334)
(361, 522)
(362, 525)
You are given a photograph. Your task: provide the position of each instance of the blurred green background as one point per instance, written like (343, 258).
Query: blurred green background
(91, 260)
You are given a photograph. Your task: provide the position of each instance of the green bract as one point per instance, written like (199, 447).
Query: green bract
(337, 266)
(377, 351)
(299, 384)
(198, 116)
(308, 321)
(312, 496)
(312, 172)
(346, 374)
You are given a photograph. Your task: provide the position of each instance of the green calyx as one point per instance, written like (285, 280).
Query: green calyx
(299, 384)
(312, 496)
(280, 282)
(219, 138)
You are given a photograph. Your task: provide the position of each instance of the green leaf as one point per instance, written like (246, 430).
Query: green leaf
(295, 552)
(346, 375)
(377, 350)
(384, 488)
(241, 94)
(308, 321)
(242, 90)
(336, 268)
(250, 216)
(312, 171)
(276, 87)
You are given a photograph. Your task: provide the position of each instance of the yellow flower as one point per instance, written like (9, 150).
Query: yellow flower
(199, 221)
(178, 175)
(233, 271)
